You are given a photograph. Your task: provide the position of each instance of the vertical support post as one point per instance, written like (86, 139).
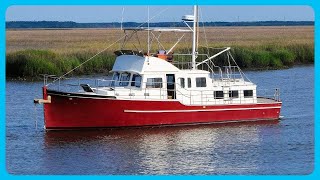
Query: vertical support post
(148, 33)
(190, 96)
(97, 83)
(78, 84)
(122, 18)
(201, 98)
(145, 92)
(194, 37)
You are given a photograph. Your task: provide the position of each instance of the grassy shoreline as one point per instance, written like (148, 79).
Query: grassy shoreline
(30, 53)
(31, 63)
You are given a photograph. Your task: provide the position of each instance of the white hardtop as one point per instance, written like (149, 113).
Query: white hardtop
(142, 65)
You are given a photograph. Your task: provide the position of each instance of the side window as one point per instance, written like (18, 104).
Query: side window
(182, 84)
(189, 82)
(136, 80)
(233, 94)
(248, 93)
(201, 82)
(124, 80)
(154, 83)
(218, 94)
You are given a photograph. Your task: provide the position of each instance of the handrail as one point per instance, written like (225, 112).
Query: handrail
(185, 95)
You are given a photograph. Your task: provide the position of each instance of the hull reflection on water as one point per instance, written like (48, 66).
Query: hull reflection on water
(161, 150)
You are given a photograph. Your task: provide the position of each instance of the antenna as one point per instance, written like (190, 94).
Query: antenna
(148, 32)
(122, 18)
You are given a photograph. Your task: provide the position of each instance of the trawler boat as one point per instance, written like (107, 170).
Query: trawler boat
(155, 89)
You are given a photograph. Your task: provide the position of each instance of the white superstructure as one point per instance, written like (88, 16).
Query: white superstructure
(147, 77)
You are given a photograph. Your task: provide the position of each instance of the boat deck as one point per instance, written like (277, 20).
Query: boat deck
(266, 100)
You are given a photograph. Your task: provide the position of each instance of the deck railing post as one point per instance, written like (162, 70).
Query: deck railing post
(190, 96)
(78, 84)
(277, 94)
(201, 98)
(130, 94)
(145, 93)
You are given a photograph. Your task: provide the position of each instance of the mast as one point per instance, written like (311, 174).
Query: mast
(148, 32)
(122, 18)
(195, 37)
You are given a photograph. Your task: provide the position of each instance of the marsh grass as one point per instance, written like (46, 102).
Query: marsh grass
(31, 63)
(34, 52)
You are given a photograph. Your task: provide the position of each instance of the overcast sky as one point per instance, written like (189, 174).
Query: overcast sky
(169, 13)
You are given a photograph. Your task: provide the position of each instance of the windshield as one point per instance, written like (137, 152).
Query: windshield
(115, 79)
(124, 80)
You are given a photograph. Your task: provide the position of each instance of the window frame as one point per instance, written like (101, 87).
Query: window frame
(201, 83)
(249, 95)
(124, 83)
(134, 81)
(189, 83)
(152, 85)
(218, 97)
(232, 94)
(114, 81)
(182, 82)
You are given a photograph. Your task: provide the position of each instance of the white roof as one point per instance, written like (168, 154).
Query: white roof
(129, 63)
(142, 65)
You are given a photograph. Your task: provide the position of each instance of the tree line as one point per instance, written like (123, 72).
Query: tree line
(71, 24)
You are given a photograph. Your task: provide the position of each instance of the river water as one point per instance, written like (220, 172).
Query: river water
(282, 147)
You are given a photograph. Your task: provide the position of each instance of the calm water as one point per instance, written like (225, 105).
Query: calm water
(285, 147)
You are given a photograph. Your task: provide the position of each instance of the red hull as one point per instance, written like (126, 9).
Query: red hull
(69, 112)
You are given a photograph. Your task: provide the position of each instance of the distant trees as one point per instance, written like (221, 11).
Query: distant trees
(70, 24)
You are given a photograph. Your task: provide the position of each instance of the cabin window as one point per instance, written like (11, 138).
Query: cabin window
(248, 93)
(115, 79)
(201, 82)
(182, 84)
(154, 83)
(124, 80)
(233, 94)
(189, 82)
(218, 94)
(136, 80)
